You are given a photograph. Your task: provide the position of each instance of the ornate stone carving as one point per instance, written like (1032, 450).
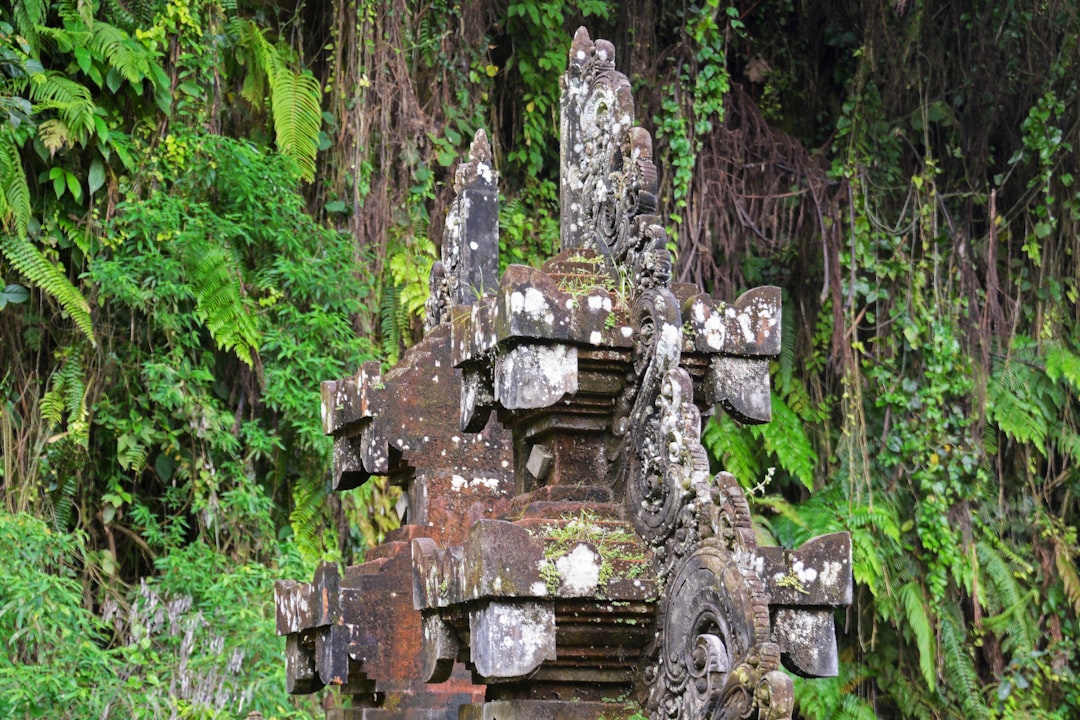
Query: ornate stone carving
(608, 179)
(661, 459)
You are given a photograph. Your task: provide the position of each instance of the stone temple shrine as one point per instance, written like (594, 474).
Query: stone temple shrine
(566, 553)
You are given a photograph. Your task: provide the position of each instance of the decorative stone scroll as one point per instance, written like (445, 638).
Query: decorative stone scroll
(565, 542)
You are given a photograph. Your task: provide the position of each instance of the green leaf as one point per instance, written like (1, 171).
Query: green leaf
(113, 79)
(13, 294)
(102, 129)
(447, 158)
(57, 175)
(84, 59)
(73, 185)
(97, 175)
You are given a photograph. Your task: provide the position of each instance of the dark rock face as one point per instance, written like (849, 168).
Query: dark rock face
(565, 542)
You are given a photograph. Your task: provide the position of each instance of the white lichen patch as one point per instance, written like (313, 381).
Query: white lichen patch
(748, 561)
(714, 332)
(531, 376)
(670, 341)
(579, 571)
(595, 337)
(293, 607)
(804, 574)
(536, 307)
(489, 483)
(460, 484)
(830, 573)
(744, 325)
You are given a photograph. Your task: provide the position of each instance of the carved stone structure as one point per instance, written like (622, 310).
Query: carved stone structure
(566, 552)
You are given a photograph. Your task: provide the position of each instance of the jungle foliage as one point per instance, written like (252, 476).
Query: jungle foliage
(209, 207)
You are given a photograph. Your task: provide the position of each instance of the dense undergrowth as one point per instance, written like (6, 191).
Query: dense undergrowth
(209, 207)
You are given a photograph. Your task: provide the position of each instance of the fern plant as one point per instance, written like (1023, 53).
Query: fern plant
(35, 267)
(219, 302)
(295, 95)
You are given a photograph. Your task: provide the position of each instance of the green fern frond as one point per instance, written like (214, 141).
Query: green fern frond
(959, 668)
(1008, 601)
(15, 198)
(918, 621)
(29, 261)
(1067, 441)
(309, 494)
(1010, 407)
(880, 516)
(122, 54)
(875, 537)
(253, 88)
(990, 438)
(992, 538)
(786, 361)
(998, 575)
(73, 381)
(295, 98)
(257, 55)
(295, 95)
(795, 524)
(785, 438)
(853, 707)
(29, 15)
(52, 405)
(1061, 363)
(834, 698)
(64, 500)
(391, 329)
(782, 508)
(1070, 580)
(71, 101)
(798, 399)
(733, 447)
(131, 455)
(219, 303)
(912, 700)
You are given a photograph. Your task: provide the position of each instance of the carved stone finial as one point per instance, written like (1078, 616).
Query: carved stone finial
(480, 149)
(470, 250)
(608, 181)
(596, 111)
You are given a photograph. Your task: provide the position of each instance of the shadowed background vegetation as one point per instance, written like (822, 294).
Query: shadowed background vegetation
(209, 207)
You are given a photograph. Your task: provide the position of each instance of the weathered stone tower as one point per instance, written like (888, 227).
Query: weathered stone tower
(566, 553)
